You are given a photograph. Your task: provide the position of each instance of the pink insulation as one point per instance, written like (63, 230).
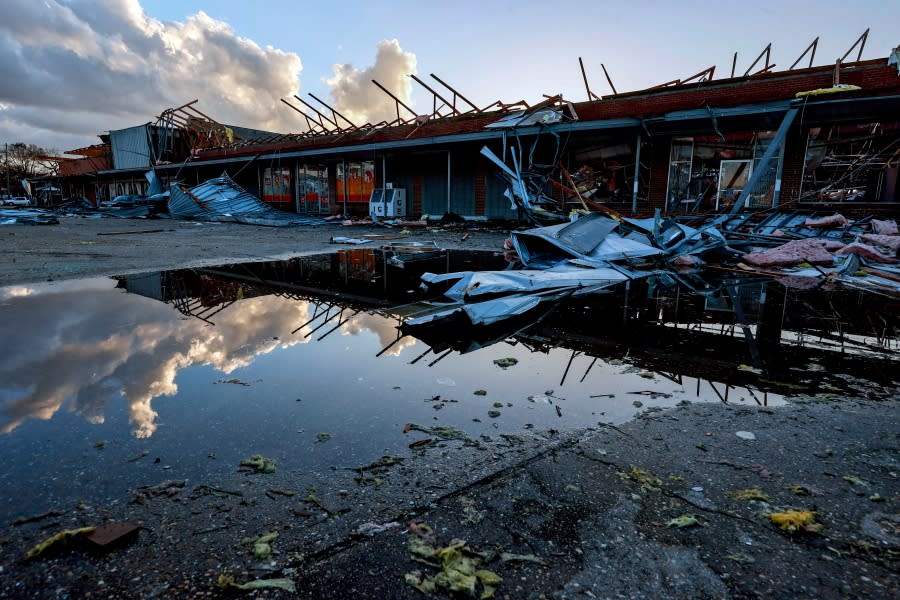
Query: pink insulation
(890, 242)
(793, 253)
(887, 227)
(835, 220)
(867, 252)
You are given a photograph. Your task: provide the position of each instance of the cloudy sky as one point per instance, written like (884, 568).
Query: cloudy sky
(75, 68)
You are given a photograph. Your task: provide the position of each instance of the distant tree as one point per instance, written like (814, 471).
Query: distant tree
(29, 160)
(20, 161)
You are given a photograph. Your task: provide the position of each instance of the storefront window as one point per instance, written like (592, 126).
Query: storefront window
(355, 181)
(680, 162)
(277, 185)
(312, 189)
(852, 163)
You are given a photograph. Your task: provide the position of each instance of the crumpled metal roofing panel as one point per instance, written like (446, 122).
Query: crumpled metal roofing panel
(221, 199)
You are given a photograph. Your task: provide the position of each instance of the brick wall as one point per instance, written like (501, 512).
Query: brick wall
(659, 173)
(874, 77)
(417, 194)
(480, 188)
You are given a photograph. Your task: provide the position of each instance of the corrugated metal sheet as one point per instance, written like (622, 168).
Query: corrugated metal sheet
(221, 199)
(130, 148)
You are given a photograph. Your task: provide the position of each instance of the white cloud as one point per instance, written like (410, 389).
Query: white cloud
(74, 69)
(360, 100)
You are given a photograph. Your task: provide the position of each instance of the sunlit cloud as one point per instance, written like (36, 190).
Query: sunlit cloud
(76, 69)
(356, 96)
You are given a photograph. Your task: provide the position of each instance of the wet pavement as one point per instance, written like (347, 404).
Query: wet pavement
(118, 383)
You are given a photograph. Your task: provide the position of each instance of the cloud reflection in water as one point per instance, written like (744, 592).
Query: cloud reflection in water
(78, 348)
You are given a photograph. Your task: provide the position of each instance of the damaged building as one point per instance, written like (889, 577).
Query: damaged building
(821, 138)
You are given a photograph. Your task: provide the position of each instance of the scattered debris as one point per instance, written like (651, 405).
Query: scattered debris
(258, 463)
(110, 535)
(741, 558)
(313, 499)
(139, 456)
(648, 481)
(793, 521)
(444, 432)
(371, 529)
(47, 515)
(339, 239)
(262, 545)
(684, 521)
(370, 473)
(854, 480)
(167, 488)
(57, 540)
(206, 490)
(458, 564)
(225, 582)
(323, 437)
(232, 382)
(804, 489)
(749, 494)
(510, 557)
(505, 363)
(745, 435)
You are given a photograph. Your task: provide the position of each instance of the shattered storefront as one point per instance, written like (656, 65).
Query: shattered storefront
(708, 172)
(852, 163)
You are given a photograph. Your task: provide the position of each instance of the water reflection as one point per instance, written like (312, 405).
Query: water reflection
(86, 346)
(79, 345)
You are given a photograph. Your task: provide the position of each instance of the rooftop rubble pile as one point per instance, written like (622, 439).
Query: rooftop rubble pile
(597, 252)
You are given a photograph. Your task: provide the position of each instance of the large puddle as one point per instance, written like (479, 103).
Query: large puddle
(109, 384)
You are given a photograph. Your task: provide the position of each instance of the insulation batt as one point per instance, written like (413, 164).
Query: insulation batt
(867, 252)
(891, 242)
(795, 252)
(835, 220)
(887, 227)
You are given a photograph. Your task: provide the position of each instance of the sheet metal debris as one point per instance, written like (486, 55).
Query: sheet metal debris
(222, 200)
(594, 253)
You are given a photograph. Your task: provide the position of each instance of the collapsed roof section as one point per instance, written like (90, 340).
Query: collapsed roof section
(657, 109)
(221, 199)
